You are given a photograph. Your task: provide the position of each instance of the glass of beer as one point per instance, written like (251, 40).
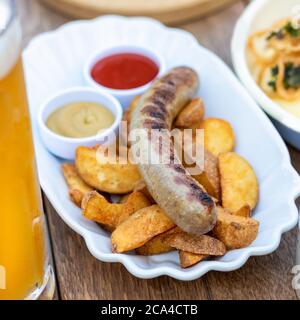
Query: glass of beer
(298, 262)
(25, 270)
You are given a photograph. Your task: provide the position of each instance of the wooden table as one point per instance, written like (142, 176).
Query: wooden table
(81, 276)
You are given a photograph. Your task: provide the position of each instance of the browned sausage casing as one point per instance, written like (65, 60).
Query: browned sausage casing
(172, 187)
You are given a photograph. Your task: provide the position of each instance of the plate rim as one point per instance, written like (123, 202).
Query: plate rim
(194, 272)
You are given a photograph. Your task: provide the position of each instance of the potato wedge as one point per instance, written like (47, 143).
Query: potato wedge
(210, 177)
(77, 187)
(239, 183)
(203, 244)
(128, 112)
(141, 186)
(218, 136)
(113, 178)
(245, 212)
(192, 115)
(98, 209)
(234, 231)
(157, 245)
(139, 228)
(124, 198)
(188, 259)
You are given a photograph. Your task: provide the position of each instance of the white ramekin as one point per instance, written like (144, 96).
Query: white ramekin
(124, 96)
(258, 15)
(65, 147)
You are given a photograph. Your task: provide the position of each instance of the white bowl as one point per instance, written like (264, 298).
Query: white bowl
(224, 96)
(259, 15)
(124, 96)
(65, 147)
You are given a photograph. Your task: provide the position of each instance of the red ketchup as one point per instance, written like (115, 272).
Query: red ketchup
(124, 71)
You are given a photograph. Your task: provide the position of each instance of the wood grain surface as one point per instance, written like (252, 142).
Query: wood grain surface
(168, 11)
(81, 276)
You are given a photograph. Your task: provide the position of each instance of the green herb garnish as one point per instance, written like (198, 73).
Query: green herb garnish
(291, 76)
(276, 34)
(274, 73)
(291, 30)
(287, 29)
(273, 85)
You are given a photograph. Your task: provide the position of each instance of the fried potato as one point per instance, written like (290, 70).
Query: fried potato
(239, 185)
(124, 199)
(97, 208)
(141, 186)
(210, 177)
(203, 244)
(135, 202)
(188, 259)
(192, 114)
(157, 245)
(245, 212)
(128, 112)
(77, 187)
(139, 228)
(218, 136)
(234, 231)
(115, 178)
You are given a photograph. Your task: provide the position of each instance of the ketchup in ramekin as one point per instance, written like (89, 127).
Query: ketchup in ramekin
(124, 71)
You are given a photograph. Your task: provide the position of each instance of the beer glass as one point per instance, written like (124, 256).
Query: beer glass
(25, 270)
(298, 261)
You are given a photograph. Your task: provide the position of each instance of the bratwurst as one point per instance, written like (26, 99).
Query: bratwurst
(182, 198)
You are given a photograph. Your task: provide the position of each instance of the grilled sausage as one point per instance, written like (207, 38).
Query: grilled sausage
(182, 198)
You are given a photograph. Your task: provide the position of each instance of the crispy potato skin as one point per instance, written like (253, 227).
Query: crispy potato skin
(218, 136)
(245, 212)
(139, 228)
(210, 177)
(128, 112)
(188, 259)
(239, 183)
(141, 186)
(192, 115)
(77, 187)
(235, 231)
(138, 223)
(203, 244)
(110, 215)
(158, 245)
(112, 178)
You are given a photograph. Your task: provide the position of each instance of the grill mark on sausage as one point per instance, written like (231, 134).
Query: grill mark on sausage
(163, 94)
(172, 157)
(195, 192)
(155, 124)
(159, 104)
(155, 112)
(170, 82)
(177, 168)
(179, 78)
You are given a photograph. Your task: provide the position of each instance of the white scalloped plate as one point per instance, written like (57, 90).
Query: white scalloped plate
(54, 61)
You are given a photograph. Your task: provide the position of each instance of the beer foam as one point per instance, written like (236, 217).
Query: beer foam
(10, 39)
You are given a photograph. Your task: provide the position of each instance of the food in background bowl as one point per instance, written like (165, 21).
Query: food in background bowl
(274, 60)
